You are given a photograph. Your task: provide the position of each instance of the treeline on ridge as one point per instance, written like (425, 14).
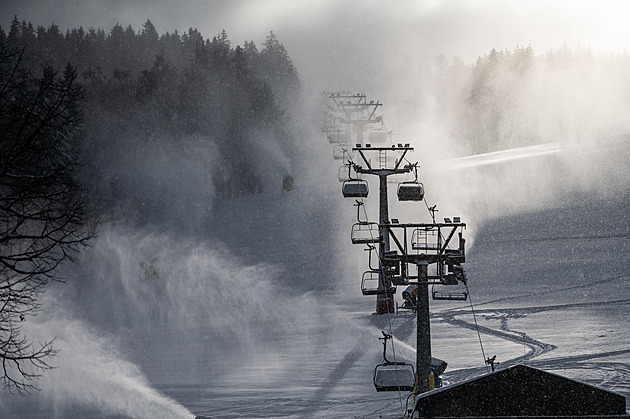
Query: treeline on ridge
(168, 97)
(515, 98)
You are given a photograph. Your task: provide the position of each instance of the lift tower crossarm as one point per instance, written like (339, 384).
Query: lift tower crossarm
(395, 170)
(434, 256)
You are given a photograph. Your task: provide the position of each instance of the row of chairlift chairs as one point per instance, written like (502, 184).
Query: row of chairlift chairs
(388, 375)
(364, 232)
(358, 188)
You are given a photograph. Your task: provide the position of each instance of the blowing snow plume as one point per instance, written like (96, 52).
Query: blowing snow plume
(142, 309)
(160, 296)
(181, 287)
(532, 130)
(92, 374)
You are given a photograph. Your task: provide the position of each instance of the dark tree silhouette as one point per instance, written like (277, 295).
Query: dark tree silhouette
(42, 209)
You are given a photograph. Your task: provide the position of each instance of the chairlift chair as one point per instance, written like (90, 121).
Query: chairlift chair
(363, 233)
(344, 138)
(410, 191)
(338, 137)
(393, 376)
(453, 286)
(355, 188)
(331, 128)
(370, 282)
(391, 262)
(425, 239)
(454, 295)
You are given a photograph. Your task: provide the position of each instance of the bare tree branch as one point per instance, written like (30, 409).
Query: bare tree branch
(42, 208)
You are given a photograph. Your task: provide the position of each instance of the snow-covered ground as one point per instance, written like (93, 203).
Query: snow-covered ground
(260, 313)
(549, 289)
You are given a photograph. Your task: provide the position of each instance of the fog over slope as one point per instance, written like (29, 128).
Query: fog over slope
(246, 276)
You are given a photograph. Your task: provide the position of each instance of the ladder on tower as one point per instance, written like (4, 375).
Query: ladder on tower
(382, 159)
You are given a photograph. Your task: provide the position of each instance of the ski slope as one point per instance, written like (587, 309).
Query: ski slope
(259, 313)
(554, 297)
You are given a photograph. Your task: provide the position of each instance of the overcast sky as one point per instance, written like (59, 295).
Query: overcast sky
(360, 45)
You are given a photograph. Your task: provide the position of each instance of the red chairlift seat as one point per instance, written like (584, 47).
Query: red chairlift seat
(355, 188)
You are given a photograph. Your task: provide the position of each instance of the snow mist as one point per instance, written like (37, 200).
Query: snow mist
(90, 371)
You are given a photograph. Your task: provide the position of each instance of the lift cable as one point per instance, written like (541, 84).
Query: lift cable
(472, 310)
(389, 320)
(483, 354)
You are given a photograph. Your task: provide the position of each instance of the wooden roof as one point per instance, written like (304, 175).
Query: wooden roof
(521, 391)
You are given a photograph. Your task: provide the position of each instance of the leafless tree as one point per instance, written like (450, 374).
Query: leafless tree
(42, 208)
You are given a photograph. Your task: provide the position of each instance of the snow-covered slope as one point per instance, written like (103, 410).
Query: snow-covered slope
(260, 314)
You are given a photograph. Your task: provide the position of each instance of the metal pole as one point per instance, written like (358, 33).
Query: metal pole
(383, 303)
(423, 329)
(383, 217)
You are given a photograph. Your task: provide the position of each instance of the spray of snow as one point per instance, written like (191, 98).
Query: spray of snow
(90, 371)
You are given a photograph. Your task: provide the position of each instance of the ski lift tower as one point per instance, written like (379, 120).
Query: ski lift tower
(384, 294)
(425, 245)
(404, 245)
(357, 111)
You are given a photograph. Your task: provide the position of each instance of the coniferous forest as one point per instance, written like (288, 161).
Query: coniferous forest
(164, 98)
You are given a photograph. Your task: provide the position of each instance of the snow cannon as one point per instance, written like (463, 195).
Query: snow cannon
(287, 183)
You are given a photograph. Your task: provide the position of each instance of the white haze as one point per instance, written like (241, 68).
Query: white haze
(110, 320)
(90, 371)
